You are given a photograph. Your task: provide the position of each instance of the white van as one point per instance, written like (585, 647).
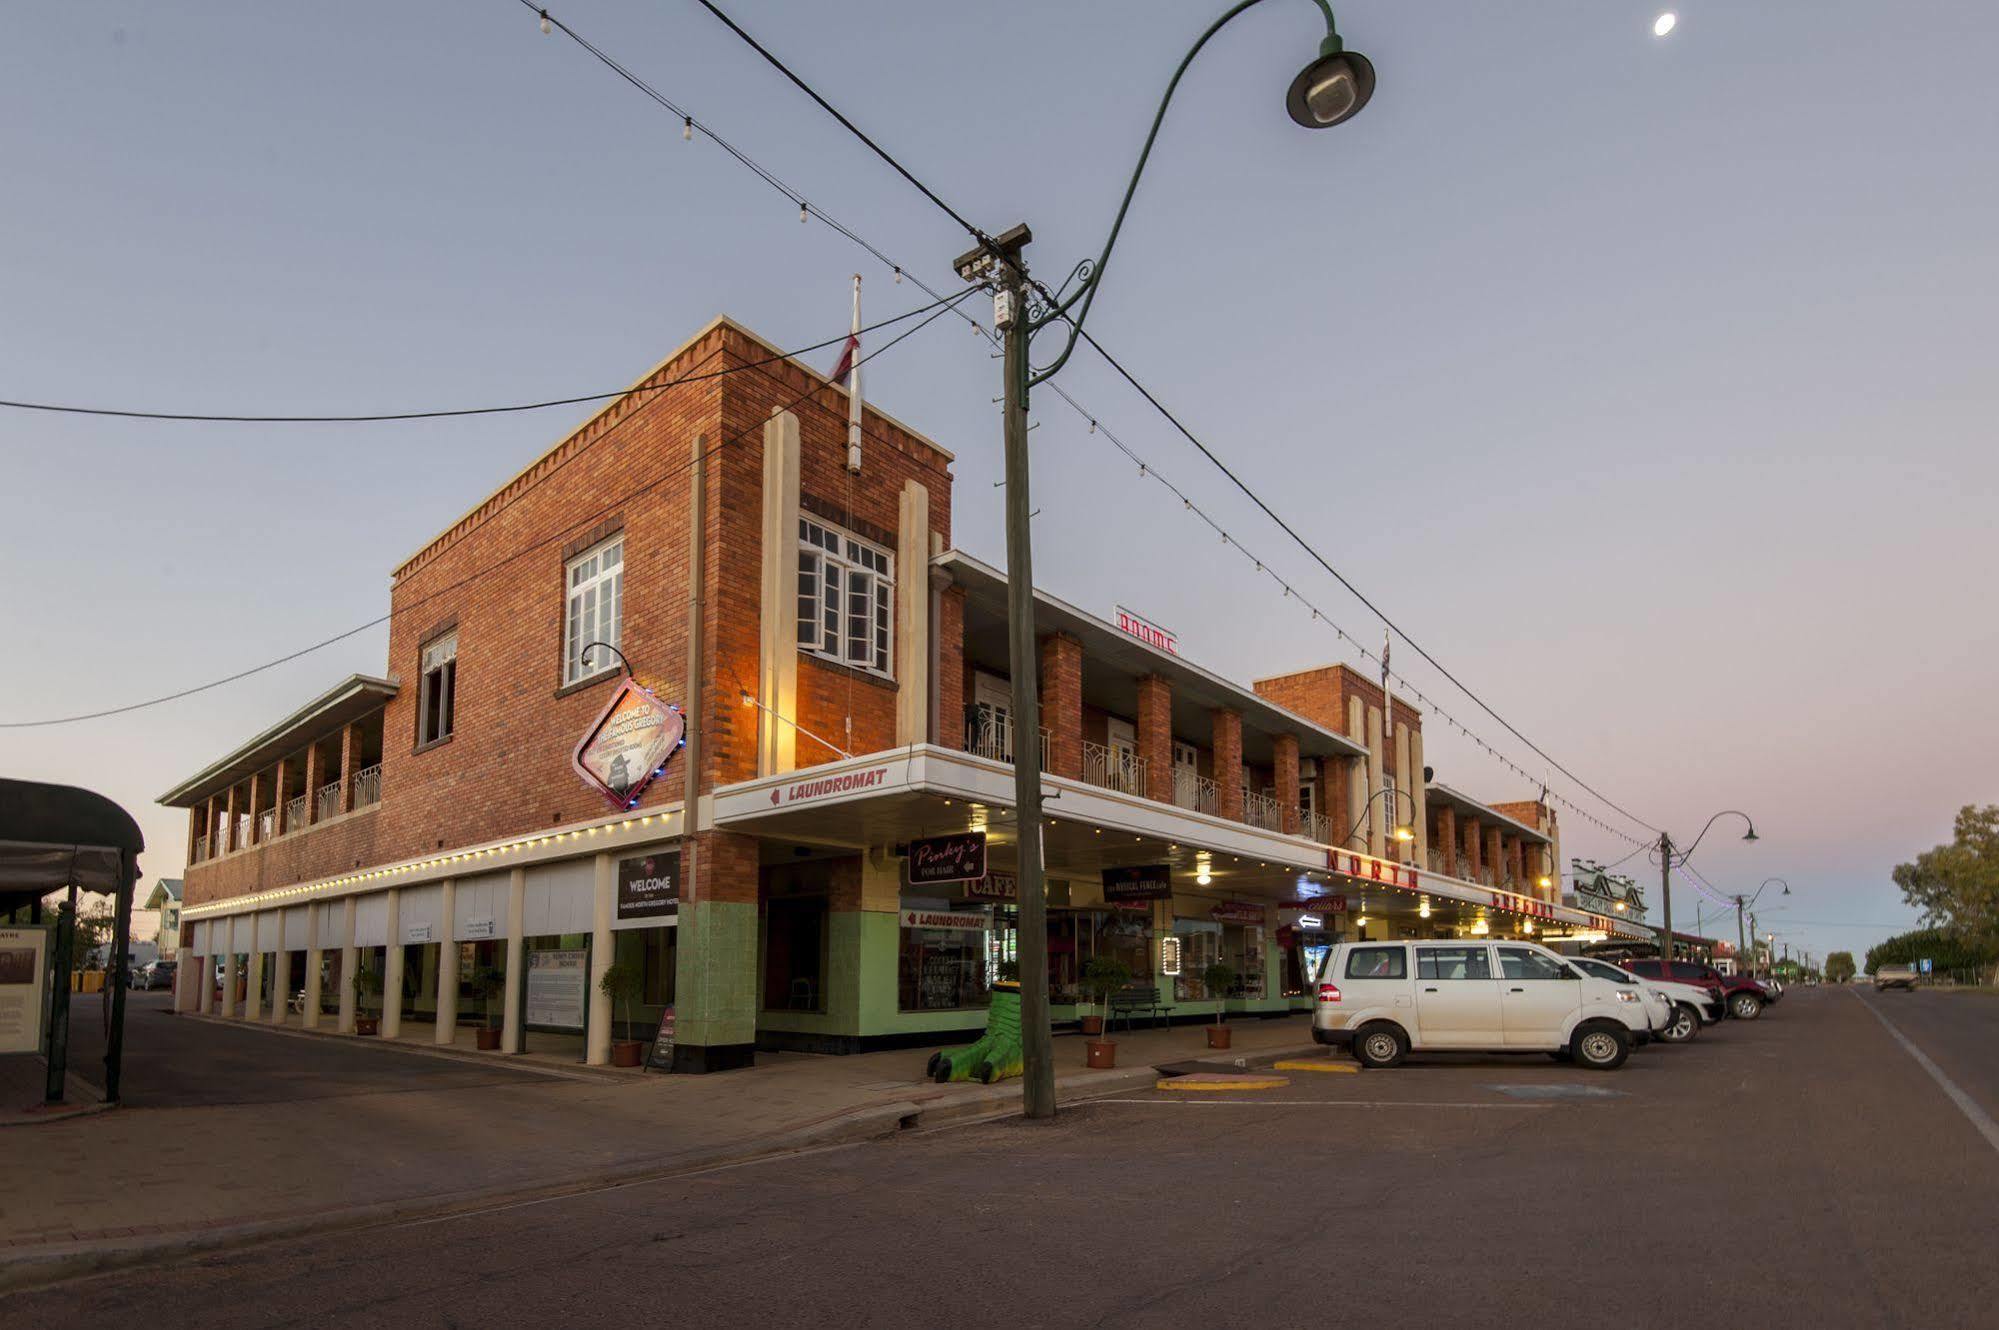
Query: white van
(1385, 999)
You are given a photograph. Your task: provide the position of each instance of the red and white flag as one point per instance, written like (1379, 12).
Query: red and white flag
(847, 354)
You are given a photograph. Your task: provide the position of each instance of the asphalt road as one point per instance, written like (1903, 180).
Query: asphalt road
(172, 1062)
(1802, 1170)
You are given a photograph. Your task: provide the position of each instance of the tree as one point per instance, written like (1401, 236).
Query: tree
(1944, 950)
(1839, 967)
(1956, 886)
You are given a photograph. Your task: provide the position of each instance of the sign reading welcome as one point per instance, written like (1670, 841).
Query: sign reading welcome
(629, 744)
(649, 886)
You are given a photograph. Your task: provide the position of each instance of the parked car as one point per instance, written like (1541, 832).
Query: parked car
(1895, 976)
(1743, 997)
(154, 974)
(1687, 1008)
(1384, 1000)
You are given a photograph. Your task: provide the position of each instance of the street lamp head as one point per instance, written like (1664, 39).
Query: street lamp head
(1751, 833)
(1404, 834)
(1332, 89)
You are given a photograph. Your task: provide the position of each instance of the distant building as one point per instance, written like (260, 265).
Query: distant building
(166, 899)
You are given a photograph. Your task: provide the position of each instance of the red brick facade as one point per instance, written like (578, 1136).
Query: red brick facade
(1062, 704)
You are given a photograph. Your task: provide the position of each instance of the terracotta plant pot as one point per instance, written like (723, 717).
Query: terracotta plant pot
(626, 1052)
(489, 1039)
(1218, 1036)
(1102, 1053)
(1093, 1025)
(366, 1025)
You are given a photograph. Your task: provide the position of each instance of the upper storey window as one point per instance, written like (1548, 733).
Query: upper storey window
(596, 582)
(846, 597)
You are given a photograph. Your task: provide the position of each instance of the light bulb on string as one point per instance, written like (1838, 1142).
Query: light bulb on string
(803, 212)
(546, 26)
(687, 129)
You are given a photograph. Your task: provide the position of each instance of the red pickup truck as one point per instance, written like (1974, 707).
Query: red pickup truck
(1742, 996)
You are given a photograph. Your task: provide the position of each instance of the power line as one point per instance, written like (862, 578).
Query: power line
(690, 124)
(445, 413)
(668, 474)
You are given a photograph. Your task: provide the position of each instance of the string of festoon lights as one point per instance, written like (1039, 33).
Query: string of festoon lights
(690, 125)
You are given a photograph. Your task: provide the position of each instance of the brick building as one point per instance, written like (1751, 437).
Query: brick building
(422, 847)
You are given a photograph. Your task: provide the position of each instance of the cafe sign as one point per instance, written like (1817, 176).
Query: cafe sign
(959, 858)
(993, 887)
(630, 743)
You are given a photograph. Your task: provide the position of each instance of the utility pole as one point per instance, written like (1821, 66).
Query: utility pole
(1666, 901)
(1001, 265)
(1741, 942)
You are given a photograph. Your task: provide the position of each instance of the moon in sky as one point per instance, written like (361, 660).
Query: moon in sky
(1665, 23)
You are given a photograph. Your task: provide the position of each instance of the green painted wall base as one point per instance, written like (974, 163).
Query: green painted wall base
(715, 980)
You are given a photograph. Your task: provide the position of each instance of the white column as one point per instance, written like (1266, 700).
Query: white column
(392, 969)
(1377, 843)
(188, 982)
(229, 972)
(447, 968)
(510, 1017)
(281, 981)
(253, 995)
(314, 961)
(777, 673)
(350, 961)
(597, 1041)
(912, 614)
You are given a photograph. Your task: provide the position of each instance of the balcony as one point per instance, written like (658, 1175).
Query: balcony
(1316, 826)
(200, 849)
(295, 814)
(1117, 769)
(1262, 810)
(327, 801)
(1196, 793)
(267, 824)
(368, 786)
(990, 734)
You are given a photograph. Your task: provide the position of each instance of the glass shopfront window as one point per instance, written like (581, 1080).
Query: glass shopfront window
(1200, 947)
(948, 955)
(1243, 951)
(1124, 935)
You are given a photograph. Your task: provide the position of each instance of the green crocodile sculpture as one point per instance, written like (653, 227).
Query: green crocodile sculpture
(996, 1055)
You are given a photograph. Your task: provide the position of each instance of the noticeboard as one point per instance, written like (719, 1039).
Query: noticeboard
(24, 954)
(558, 988)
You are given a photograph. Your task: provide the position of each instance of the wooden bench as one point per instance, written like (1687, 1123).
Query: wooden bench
(1130, 1002)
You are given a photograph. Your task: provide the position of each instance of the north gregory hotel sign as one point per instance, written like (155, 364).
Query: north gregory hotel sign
(629, 744)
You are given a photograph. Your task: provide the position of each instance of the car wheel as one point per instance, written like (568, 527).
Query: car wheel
(1745, 1006)
(1601, 1047)
(1380, 1046)
(1686, 1024)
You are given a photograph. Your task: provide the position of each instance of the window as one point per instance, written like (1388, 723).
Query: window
(437, 698)
(846, 597)
(1520, 963)
(1452, 963)
(1377, 963)
(1602, 970)
(944, 968)
(596, 595)
(795, 953)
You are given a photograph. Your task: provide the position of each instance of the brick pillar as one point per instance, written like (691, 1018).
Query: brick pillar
(1474, 849)
(1447, 838)
(716, 991)
(1515, 868)
(1495, 857)
(278, 792)
(350, 752)
(229, 832)
(1061, 704)
(1155, 736)
(1284, 762)
(312, 782)
(1228, 762)
(194, 816)
(950, 668)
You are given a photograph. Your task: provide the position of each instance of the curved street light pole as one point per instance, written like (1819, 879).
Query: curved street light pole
(1329, 90)
(1668, 856)
(1367, 808)
(1741, 904)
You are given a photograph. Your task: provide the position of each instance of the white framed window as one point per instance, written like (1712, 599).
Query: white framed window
(596, 604)
(437, 699)
(846, 598)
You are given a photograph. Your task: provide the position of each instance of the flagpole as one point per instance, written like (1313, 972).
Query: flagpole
(1390, 846)
(854, 387)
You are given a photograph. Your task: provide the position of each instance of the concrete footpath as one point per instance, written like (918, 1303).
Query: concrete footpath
(398, 1131)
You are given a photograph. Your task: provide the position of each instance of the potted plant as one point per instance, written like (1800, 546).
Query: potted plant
(621, 983)
(1102, 977)
(487, 982)
(1218, 979)
(367, 984)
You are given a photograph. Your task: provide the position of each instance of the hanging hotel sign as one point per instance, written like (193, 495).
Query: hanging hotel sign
(649, 886)
(1237, 912)
(1146, 882)
(958, 858)
(993, 887)
(630, 743)
(1146, 631)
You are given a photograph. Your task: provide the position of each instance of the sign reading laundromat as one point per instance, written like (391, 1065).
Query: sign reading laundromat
(649, 886)
(630, 743)
(557, 984)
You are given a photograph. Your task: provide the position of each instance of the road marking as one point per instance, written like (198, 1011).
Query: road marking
(1350, 1068)
(1201, 1081)
(1323, 1103)
(1978, 1116)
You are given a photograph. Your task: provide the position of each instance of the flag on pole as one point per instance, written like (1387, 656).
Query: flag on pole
(849, 370)
(846, 365)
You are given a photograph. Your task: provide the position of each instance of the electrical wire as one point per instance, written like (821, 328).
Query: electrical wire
(625, 497)
(446, 413)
